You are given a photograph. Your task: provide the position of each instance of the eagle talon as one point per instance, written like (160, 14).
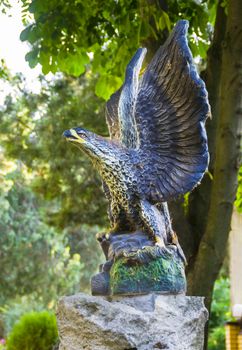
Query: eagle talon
(102, 236)
(159, 242)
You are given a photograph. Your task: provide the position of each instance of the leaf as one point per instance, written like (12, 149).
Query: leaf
(32, 58)
(166, 20)
(101, 88)
(30, 34)
(144, 29)
(107, 85)
(75, 64)
(24, 35)
(44, 60)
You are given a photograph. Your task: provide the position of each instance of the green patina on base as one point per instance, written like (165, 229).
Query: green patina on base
(164, 274)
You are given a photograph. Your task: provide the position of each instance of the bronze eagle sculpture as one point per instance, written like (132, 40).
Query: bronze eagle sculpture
(158, 144)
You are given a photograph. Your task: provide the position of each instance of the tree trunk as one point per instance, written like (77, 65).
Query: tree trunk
(204, 227)
(199, 199)
(212, 247)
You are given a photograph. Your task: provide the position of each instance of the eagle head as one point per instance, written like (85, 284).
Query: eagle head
(98, 148)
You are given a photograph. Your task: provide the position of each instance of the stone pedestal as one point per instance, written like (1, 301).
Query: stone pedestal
(143, 322)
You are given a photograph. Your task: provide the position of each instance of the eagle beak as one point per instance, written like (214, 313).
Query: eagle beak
(72, 136)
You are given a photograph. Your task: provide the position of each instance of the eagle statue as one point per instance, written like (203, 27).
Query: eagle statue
(158, 144)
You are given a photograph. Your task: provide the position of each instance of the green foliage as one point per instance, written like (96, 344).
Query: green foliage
(34, 331)
(4, 72)
(31, 129)
(68, 37)
(4, 6)
(2, 344)
(216, 340)
(238, 201)
(82, 240)
(37, 261)
(220, 313)
(220, 309)
(17, 307)
(34, 258)
(38, 264)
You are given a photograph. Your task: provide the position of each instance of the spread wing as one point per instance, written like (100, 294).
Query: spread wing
(112, 115)
(120, 109)
(169, 109)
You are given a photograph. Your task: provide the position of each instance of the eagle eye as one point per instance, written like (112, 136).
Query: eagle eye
(82, 134)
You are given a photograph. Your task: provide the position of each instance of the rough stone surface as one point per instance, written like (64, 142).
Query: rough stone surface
(131, 323)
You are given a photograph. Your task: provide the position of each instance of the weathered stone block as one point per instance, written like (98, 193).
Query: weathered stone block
(127, 323)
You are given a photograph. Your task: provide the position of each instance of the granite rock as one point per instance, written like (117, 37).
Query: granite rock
(141, 322)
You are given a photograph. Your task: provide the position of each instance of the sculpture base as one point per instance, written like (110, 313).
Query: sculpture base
(138, 322)
(163, 273)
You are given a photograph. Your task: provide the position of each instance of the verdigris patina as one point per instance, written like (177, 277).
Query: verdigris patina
(157, 151)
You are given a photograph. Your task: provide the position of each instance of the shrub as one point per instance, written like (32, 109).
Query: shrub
(35, 258)
(220, 313)
(216, 340)
(34, 331)
(11, 312)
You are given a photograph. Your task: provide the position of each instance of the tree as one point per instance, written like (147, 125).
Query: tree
(34, 259)
(27, 120)
(31, 131)
(68, 35)
(224, 138)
